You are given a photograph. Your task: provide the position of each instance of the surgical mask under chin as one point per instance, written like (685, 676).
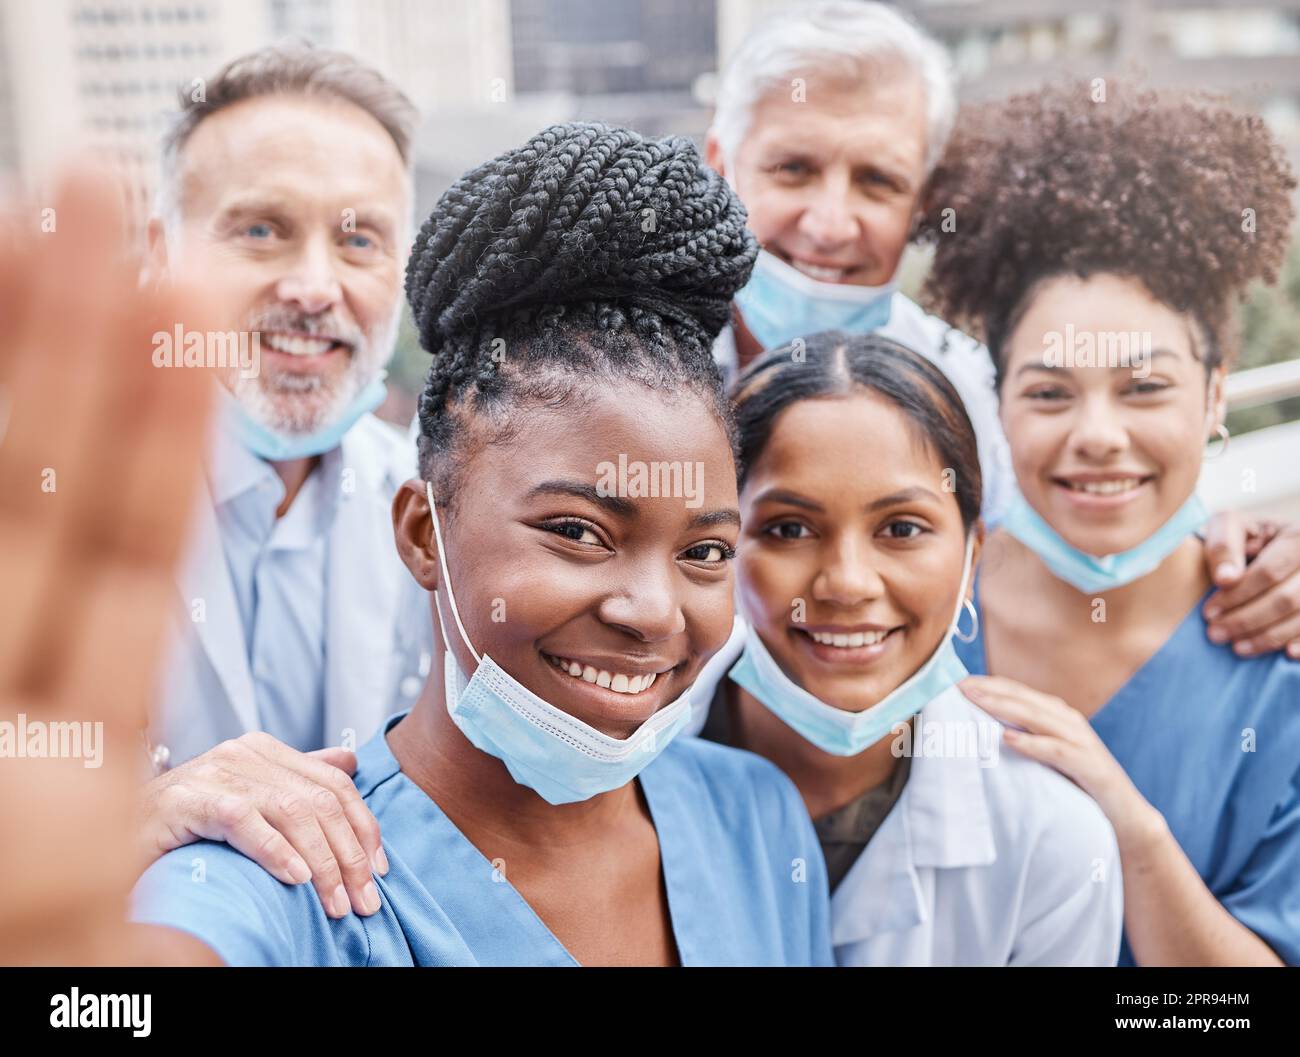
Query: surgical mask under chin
(780, 303)
(1090, 574)
(832, 729)
(276, 446)
(559, 757)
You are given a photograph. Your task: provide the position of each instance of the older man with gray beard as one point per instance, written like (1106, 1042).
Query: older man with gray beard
(286, 191)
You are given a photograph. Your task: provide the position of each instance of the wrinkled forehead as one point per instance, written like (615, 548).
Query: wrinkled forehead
(877, 86)
(852, 117)
(295, 152)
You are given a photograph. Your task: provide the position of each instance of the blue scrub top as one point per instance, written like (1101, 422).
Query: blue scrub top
(744, 872)
(1213, 743)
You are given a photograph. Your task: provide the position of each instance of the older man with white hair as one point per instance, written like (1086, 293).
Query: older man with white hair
(829, 119)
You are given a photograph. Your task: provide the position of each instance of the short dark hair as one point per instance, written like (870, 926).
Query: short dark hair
(290, 68)
(834, 364)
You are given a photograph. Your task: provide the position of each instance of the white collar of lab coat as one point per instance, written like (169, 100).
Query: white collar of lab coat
(941, 820)
(365, 470)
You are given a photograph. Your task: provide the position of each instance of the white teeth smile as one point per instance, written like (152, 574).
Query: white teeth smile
(295, 346)
(1123, 484)
(848, 640)
(618, 682)
(816, 271)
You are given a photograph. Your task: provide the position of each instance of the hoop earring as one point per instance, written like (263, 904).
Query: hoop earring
(1224, 436)
(969, 607)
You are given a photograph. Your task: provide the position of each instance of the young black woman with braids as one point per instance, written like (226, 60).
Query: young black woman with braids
(535, 803)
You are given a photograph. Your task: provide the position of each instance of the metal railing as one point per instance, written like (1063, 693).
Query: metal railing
(1260, 470)
(1263, 385)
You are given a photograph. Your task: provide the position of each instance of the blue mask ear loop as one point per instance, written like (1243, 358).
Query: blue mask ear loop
(451, 597)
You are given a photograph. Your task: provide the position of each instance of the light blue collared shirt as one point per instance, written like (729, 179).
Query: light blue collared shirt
(741, 866)
(278, 570)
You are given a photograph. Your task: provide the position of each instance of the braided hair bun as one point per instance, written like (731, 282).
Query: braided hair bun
(589, 251)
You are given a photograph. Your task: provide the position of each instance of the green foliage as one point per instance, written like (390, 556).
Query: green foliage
(1270, 333)
(410, 362)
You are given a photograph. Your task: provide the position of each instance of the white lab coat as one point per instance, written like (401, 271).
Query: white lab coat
(1002, 864)
(378, 626)
(967, 365)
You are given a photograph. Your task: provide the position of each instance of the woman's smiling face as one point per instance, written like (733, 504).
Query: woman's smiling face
(604, 605)
(852, 551)
(1106, 448)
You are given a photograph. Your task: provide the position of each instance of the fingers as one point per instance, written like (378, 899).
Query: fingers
(1225, 548)
(1258, 535)
(336, 778)
(1014, 703)
(344, 759)
(102, 452)
(53, 375)
(248, 832)
(1255, 636)
(1055, 752)
(312, 820)
(131, 513)
(1259, 614)
(81, 423)
(244, 788)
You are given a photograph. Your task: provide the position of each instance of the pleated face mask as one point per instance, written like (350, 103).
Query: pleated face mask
(1093, 575)
(278, 447)
(832, 729)
(556, 755)
(780, 303)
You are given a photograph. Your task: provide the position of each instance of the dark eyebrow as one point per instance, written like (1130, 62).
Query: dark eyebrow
(722, 516)
(582, 490)
(780, 495)
(625, 507)
(906, 495)
(1118, 367)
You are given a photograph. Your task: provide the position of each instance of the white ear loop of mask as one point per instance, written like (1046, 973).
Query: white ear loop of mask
(446, 575)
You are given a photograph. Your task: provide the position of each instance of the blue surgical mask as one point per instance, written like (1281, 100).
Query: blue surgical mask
(280, 447)
(780, 303)
(559, 757)
(1093, 575)
(832, 729)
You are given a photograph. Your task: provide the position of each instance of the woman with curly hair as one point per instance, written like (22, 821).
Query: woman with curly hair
(1100, 247)
(575, 524)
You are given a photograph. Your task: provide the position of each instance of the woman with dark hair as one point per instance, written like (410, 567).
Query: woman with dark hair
(1100, 247)
(860, 505)
(535, 804)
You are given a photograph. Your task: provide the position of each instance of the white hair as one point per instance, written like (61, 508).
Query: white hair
(843, 38)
